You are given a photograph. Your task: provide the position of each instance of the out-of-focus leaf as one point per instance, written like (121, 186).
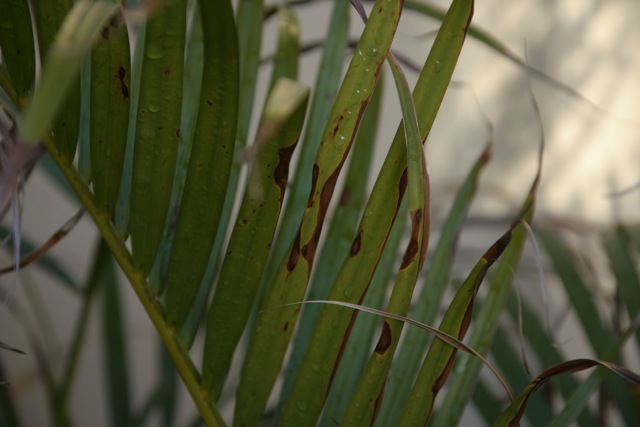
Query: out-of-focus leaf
(18, 48)
(577, 402)
(568, 269)
(8, 413)
(512, 415)
(39, 253)
(72, 43)
(624, 268)
(7, 347)
(116, 368)
(102, 271)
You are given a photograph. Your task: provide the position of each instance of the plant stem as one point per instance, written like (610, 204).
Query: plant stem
(184, 365)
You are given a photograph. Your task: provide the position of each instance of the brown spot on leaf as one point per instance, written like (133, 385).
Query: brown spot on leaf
(123, 85)
(178, 133)
(357, 243)
(325, 197)
(104, 33)
(286, 326)
(498, 247)
(314, 181)
(412, 247)
(345, 196)
(295, 254)
(385, 339)
(209, 103)
(166, 71)
(281, 172)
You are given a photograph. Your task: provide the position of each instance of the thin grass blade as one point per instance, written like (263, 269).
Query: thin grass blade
(8, 414)
(577, 402)
(123, 205)
(624, 268)
(512, 415)
(547, 353)
(44, 260)
(582, 301)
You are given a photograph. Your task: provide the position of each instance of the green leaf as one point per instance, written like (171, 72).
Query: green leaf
(57, 95)
(325, 88)
(341, 232)
(123, 205)
(116, 368)
(511, 416)
(358, 348)
(255, 226)
(274, 329)
(18, 49)
(465, 375)
(110, 100)
(323, 355)
(157, 131)
(210, 161)
(8, 413)
(427, 306)
(364, 403)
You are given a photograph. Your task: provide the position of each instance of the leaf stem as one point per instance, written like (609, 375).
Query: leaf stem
(184, 364)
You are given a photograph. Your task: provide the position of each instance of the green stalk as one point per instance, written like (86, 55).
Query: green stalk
(152, 307)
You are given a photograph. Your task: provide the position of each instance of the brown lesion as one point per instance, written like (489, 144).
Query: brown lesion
(384, 342)
(314, 181)
(124, 89)
(413, 246)
(357, 244)
(281, 172)
(295, 254)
